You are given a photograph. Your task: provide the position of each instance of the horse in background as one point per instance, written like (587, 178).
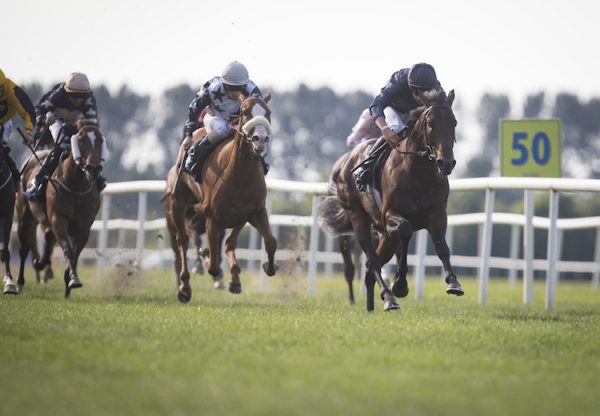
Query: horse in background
(7, 209)
(71, 204)
(234, 192)
(413, 195)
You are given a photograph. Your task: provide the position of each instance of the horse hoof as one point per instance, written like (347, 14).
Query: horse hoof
(390, 305)
(38, 266)
(10, 288)
(455, 289)
(219, 284)
(184, 297)
(400, 290)
(235, 288)
(75, 283)
(268, 270)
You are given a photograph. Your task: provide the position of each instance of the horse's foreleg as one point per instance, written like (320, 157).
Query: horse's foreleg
(362, 230)
(261, 223)
(401, 230)
(60, 226)
(345, 248)
(438, 236)
(235, 285)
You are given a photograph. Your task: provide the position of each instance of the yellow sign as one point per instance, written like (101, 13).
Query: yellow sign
(530, 148)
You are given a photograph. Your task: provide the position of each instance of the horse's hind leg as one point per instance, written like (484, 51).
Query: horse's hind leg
(362, 229)
(345, 247)
(179, 243)
(261, 223)
(235, 285)
(215, 233)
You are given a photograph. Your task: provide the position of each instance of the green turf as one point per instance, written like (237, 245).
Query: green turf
(123, 345)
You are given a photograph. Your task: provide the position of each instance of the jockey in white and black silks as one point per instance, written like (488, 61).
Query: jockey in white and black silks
(219, 99)
(406, 90)
(13, 101)
(57, 113)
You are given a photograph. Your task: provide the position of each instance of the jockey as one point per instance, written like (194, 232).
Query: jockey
(13, 100)
(406, 90)
(59, 109)
(219, 99)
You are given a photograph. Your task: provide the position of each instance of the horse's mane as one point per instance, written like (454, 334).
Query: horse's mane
(436, 96)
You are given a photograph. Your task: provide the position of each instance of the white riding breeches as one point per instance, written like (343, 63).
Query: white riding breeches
(396, 121)
(217, 128)
(58, 133)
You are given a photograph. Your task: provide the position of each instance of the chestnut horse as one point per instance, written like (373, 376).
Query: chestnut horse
(71, 204)
(234, 192)
(7, 209)
(414, 194)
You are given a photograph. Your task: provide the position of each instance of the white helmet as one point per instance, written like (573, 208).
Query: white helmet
(235, 74)
(77, 83)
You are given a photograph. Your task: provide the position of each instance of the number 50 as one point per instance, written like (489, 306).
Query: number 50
(540, 148)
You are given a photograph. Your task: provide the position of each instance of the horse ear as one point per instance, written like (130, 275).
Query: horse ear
(267, 97)
(450, 98)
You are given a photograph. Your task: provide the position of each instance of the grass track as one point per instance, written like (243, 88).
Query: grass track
(125, 346)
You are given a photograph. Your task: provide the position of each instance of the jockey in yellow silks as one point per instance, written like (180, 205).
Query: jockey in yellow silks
(13, 100)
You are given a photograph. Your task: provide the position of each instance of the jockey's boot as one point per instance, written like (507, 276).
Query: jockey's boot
(100, 182)
(363, 173)
(265, 165)
(196, 157)
(34, 192)
(16, 174)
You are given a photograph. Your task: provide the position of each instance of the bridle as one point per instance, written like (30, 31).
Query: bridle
(427, 152)
(83, 167)
(245, 116)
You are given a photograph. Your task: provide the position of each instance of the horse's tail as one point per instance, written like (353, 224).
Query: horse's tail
(332, 217)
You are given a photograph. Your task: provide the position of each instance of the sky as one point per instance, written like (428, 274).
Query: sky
(513, 47)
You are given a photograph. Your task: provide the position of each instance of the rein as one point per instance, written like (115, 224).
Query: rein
(9, 178)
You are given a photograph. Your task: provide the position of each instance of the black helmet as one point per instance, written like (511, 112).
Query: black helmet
(422, 76)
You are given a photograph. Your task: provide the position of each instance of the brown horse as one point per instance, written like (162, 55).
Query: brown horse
(414, 194)
(184, 222)
(7, 208)
(72, 202)
(234, 192)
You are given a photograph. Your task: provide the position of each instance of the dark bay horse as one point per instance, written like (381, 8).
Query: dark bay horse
(234, 193)
(71, 204)
(183, 222)
(414, 194)
(7, 209)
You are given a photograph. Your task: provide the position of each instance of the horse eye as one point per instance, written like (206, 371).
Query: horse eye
(255, 138)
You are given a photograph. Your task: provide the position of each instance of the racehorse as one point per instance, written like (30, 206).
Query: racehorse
(183, 221)
(233, 193)
(413, 195)
(72, 201)
(7, 207)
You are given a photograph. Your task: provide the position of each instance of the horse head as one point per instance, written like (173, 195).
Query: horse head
(255, 122)
(87, 148)
(434, 131)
